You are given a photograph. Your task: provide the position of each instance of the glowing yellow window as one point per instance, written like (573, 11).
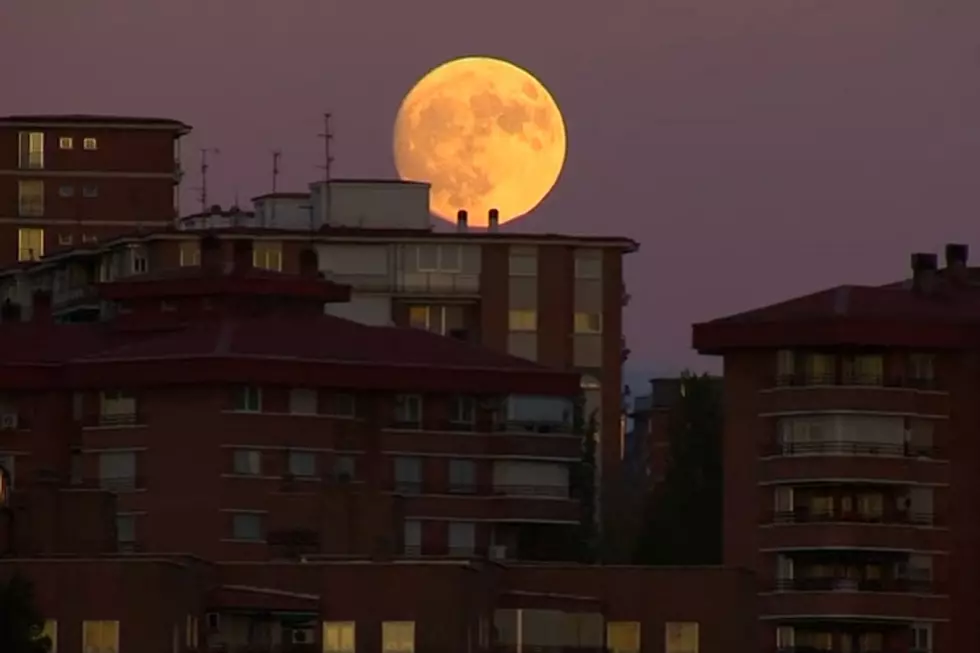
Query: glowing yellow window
(523, 320)
(50, 633)
(398, 637)
(623, 636)
(681, 637)
(267, 256)
(338, 636)
(30, 244)
(190, 253)
(100, 637)
(418, 317)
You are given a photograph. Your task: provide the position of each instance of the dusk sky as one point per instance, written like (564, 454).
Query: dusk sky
(757, 149)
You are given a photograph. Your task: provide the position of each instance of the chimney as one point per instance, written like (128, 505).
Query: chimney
(242, 256)
(41, 309)
(309, 263)
(923, 272)
(211, 255)
(957, 255)
(493, 220)
(461, 220)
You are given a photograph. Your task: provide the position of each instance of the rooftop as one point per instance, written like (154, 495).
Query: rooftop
(95, 120)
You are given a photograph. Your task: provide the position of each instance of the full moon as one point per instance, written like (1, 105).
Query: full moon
(486, 134)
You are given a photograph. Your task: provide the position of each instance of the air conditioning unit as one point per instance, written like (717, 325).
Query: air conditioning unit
(301, 636)
(213, 621)
(8, 422)
(498, 552)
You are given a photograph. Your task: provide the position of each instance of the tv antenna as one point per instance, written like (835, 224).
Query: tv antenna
(276, 155)
(204, 175)
(327, 137)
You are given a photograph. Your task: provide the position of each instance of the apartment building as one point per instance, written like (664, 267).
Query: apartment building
(850, 462)
(73, 180)
(553, 299)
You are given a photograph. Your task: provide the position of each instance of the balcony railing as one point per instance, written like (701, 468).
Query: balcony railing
(480, 489)
(850, 447)
(535, 427)
(551, 491)
(115, 419)
(118, 484)
(437, 282)
(803, 516)
(902, 585)
(804, 380)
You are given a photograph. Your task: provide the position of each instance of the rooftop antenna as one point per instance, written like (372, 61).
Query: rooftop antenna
(276, 155)
(327, 136)
(204, 175)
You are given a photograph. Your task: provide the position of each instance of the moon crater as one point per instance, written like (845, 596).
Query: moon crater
(486, 134)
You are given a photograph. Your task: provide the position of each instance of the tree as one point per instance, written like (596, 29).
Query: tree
(683, 514)
(21, 623)
(584, 487)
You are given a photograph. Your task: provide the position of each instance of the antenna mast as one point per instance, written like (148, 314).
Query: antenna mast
(276, 155)
(204, 175)
(327, 136)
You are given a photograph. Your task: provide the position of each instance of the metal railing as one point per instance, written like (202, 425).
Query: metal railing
(120, 483)
(804, 516)
(534, 427)
(851, 447)
(804, 380)
(551, 491)
(902, 585)
(484, 489)
(116, 419)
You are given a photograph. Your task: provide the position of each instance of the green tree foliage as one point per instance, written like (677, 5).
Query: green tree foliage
(21, 623)
(683, 514)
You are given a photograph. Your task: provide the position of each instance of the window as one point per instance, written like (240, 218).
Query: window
(338, 636)
(65, 239)
(30, 198)
(418, 317)
(66, 143)
(523, 320)
(922, 637)
(588, 264)
(117, 470)
(90, 191)
(783, 500)
(192, 632)
(681, 637)
(116, 407)
(66, 191)
(463, 410)
(303, 401)
(785, 365)
(267, 256)
(139, 264)
(785, 637)
(462, 476)
(439, 258)
(408, 475)
(90, 144)
(125, 530)
(247, 462)
(30, 244)
(302, 463)
(398, 637)
(523, 261)
(922, 367)
(462, 538)
(31, 150)
(246, 526)
(413, 537)
(408, 410)
(100, 637)
(190, 253)
(50, 631)
(863, 370)
(341, 405)
(344, 468)
(588, 323)
(871, 505)
(248, 399)
(443, 320)
(623, 636)
(820, 369)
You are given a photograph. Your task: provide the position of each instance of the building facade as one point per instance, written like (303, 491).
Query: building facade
(849, 460)
(75, 179)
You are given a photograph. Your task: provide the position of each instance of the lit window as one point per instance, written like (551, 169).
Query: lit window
(418, 317)
(117, 407)
(7, 465)
(30, 198)
(681, 637)
(246, 526)
(100, 636)
(30, 244)
(623, 636)
(398, 637)
(190, 253)
(408, 410)
(66, 143)
(523, 320)
(267, 256)
(338, 636)
(90, 191)
(31, 150)
(90, 144)
(588, 323)
(248, 462)
(302, 463)
(303, 401)
(50, 632)
(248, 399)
(820, 369)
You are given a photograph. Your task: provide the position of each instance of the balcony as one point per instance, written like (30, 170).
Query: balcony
(805, 380)
(114, 420)
(117, 484)
(463, 443)
(887, 585)
(807, 392)
(786, 461)
(888, 517)
(812, 601)
(437, 283)
(503, 503)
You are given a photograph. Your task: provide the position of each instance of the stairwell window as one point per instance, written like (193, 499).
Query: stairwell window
(681, 637)
(100, 637)
(339, 636)
(248, 399)
(398, 637)
(623, 636)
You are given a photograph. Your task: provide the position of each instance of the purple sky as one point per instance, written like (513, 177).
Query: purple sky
(756, 148)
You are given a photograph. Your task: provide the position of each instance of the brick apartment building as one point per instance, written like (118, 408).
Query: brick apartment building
(74, 179)
(850, 461)
(553, 299)
(330, 486)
